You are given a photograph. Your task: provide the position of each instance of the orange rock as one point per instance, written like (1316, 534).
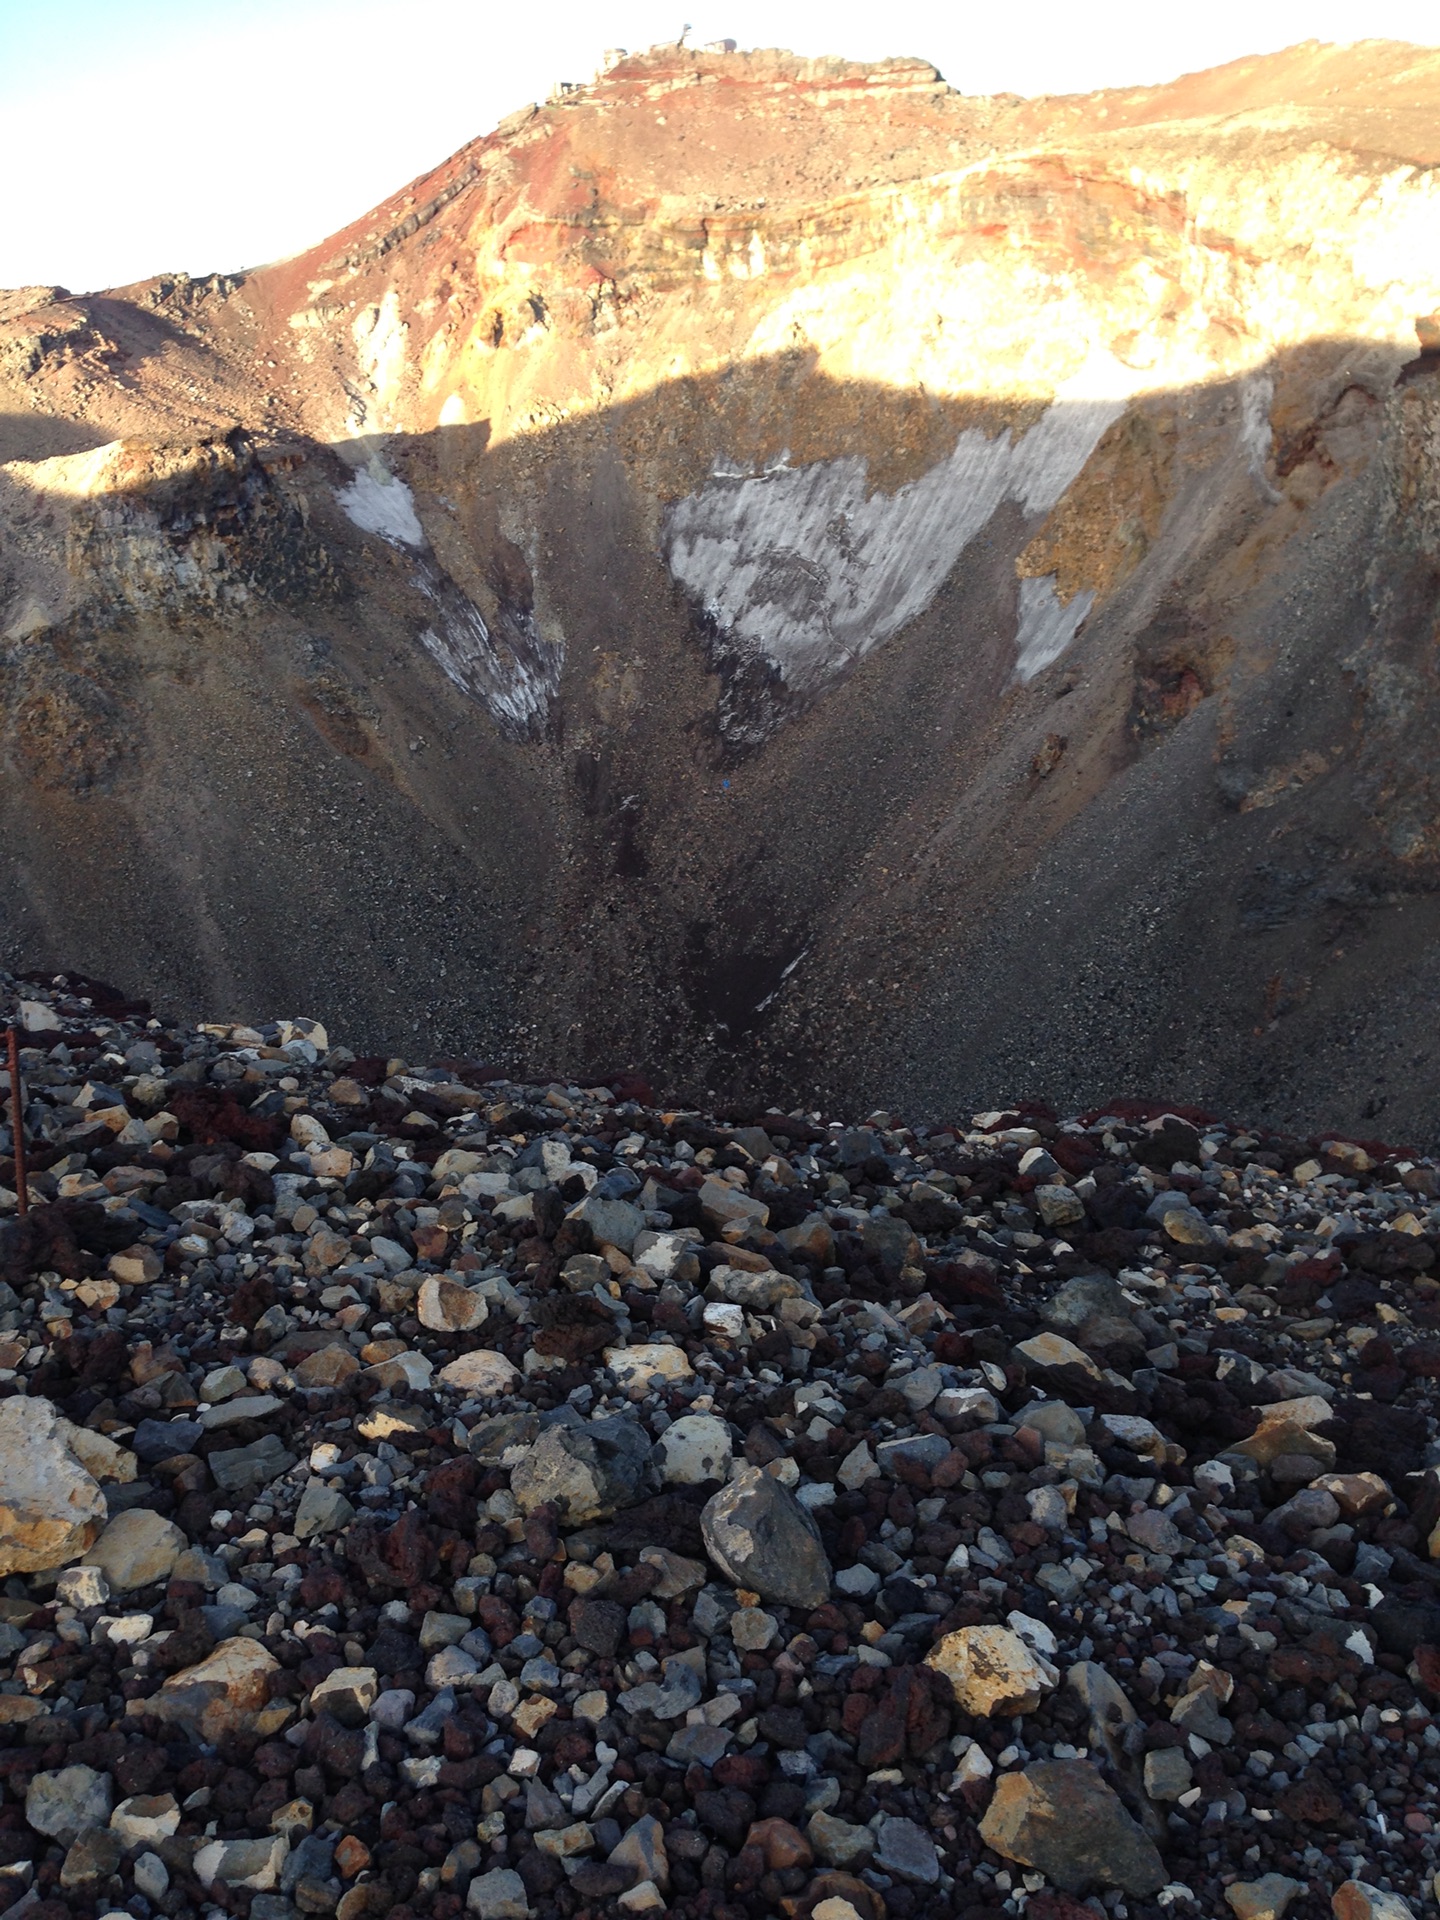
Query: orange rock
(352, 1856)
(783, 1846)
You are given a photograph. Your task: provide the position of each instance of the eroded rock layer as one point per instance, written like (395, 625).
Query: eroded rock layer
(778, 571)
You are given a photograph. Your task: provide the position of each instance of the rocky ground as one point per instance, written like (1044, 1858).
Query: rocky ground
(422, 1494)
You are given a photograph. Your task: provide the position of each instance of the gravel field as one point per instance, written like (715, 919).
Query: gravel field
(422, 1494)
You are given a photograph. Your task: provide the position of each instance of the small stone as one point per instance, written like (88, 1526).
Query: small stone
(1285, 1427)
(230, 1413)
(857, 1467)
(1358, 1900)
(701, 1743)
(641, 1364)
(760, 1537)
(51, 1509)
(348, 1694)
(92, 1858)
(327, 1367)
(921, 1387)
(991, 1670)
(859, 1581)
(352, 1856)
(1060, 1817)
(917, 1449)
(146, 1818)
(588, 1472)
(1187, 1227)
(384, 1422)
(69, 1801)
(243, 1470)
(678, 1575)
(838, 1843)
(726, 1209)
(242, 1863)
(565, 1843)
(1357, 1495)
(723, 1320)
(641, 1851)
(499, 1895)
(322, 1509)
(222, 1383)
(1110, 1707)
(482, 1372)
(1155, 1532)
(1048, 1509)
(82, 1587)
(1264, 1899)
(451, 1667)
(1168, 1773)
(1059, 1207)
(136, 1266)
(693, 1449)
(783, 1847)
(612, 1223)
(971, 1404)
(752, 1630)
(227, 1692)
(1056, 1422)
(763, 1292)
(137, 1548)
(439, 1630)
(447, 1306)
(1049, 1351)
(907, 1849)
(644, 1897)
(152, 1876)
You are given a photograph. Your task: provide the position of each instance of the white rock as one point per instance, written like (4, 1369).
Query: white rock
(694, 1448)
(145, 1818)
(991, 1670)
(82, 1587)
(446, 1306)
(51, 1508)
(483, 1371)
(242, 1863)
(137, 1548)
(632, 1365)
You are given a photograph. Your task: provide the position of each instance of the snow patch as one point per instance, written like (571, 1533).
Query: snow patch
(379, 503)
(514, 677)
(1257, 442)
(810, 570)
(1046, 626)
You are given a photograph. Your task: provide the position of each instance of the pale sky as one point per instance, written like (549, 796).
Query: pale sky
(144, 136)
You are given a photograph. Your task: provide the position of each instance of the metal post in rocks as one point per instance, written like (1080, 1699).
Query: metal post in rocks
(17, 1123)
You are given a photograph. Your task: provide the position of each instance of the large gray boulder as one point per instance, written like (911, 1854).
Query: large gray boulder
(760, 1537)
(1060, 1818)
(588, 1471)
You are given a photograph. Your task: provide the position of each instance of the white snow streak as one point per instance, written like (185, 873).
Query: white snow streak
(1046, 627)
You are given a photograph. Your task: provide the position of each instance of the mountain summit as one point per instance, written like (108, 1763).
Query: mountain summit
(778, 571)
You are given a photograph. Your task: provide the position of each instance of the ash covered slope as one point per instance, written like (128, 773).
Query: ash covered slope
(424, 1494)
(794, 572)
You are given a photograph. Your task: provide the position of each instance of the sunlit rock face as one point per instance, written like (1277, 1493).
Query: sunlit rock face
(778, 572)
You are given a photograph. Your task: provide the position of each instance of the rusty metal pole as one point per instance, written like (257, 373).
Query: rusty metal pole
(17, 1124)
